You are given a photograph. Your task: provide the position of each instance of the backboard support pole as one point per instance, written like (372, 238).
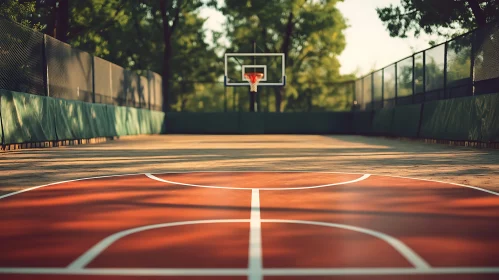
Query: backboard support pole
(252, 94)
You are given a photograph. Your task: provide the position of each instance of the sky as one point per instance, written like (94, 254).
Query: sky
(368, 43)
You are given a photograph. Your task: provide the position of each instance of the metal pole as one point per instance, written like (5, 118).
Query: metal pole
(372, 91)
(413, 77)
(225, 99)
(474, 39)
(45, 63)
(424, 77)
(252, 107)
(396, 83)
(383, 88)
(93, 80)
(445, 72)
(234, 99)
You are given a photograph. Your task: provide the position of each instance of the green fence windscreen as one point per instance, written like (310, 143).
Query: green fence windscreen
(487, 114)
(100, 121)
(406, 120)
(111, 119)
(382, 121)
(199, 123)
(133, 121)
(71, 120)
(452, 119)
(120, 125)
(26, 117)
(157, 122)
(362, 122)
(306, 123)
(251, 123)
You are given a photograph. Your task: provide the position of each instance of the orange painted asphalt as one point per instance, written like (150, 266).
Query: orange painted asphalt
(446, 225)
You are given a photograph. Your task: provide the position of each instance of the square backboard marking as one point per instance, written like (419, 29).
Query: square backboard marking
(255, 66)
(283, 78)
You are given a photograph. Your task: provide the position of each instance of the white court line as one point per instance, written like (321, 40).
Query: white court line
(331, 172)
(63, 182)
(93, 252)
(365, 176)
(129, 271)
(411, 256)
(244, 272)
(255, 244)
(236, 171)
(255, 265)
(377, 271)
(443, 182)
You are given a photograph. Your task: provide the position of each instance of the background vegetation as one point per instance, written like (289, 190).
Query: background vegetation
(167, 36)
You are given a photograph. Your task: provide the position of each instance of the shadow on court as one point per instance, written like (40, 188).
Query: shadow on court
(164, 153)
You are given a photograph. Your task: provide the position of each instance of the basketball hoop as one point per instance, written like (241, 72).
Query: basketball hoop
(253, 78)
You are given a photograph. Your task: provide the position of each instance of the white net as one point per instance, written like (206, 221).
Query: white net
(253, 79)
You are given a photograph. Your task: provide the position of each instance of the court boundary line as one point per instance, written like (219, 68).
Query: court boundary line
(363, 177)
(65, 181)
(245, 272)
(255, 263)
(235, 171)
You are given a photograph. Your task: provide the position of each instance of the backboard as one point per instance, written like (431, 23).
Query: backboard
(272, 65)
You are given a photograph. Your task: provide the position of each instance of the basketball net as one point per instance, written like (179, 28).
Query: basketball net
(253, 78)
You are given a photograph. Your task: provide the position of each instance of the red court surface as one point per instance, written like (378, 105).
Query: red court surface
(250, 225)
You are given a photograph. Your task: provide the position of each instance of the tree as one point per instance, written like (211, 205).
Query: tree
(437, 17)
(162, 36)
(19, 11)
(308, 32)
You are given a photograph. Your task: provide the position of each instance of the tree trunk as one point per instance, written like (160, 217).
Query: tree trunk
(62, 26)
(168, 52)
(281, 92)
(166, 76)
(51, 20)
(477, 13)
(166, 57)
(278, 92)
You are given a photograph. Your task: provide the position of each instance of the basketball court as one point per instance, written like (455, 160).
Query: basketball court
(247, 222)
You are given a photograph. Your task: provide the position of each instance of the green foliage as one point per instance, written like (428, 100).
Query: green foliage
(309, 32)
(437, 17)
(19, 11)
(139, 34)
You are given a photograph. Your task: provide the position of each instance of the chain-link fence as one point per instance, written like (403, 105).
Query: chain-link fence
(464, 66)
(21, 59)
(34, 63)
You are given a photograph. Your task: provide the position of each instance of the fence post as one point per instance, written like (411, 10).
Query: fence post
(396, 83)
(225, 99)
(354, 95)
(372, 91)
(93, 79)
(472, 62)
(424, 77)
(445, 70)
(362, 90)
(45, 66)
(267, 95)
(235, 97)
(413, 77)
